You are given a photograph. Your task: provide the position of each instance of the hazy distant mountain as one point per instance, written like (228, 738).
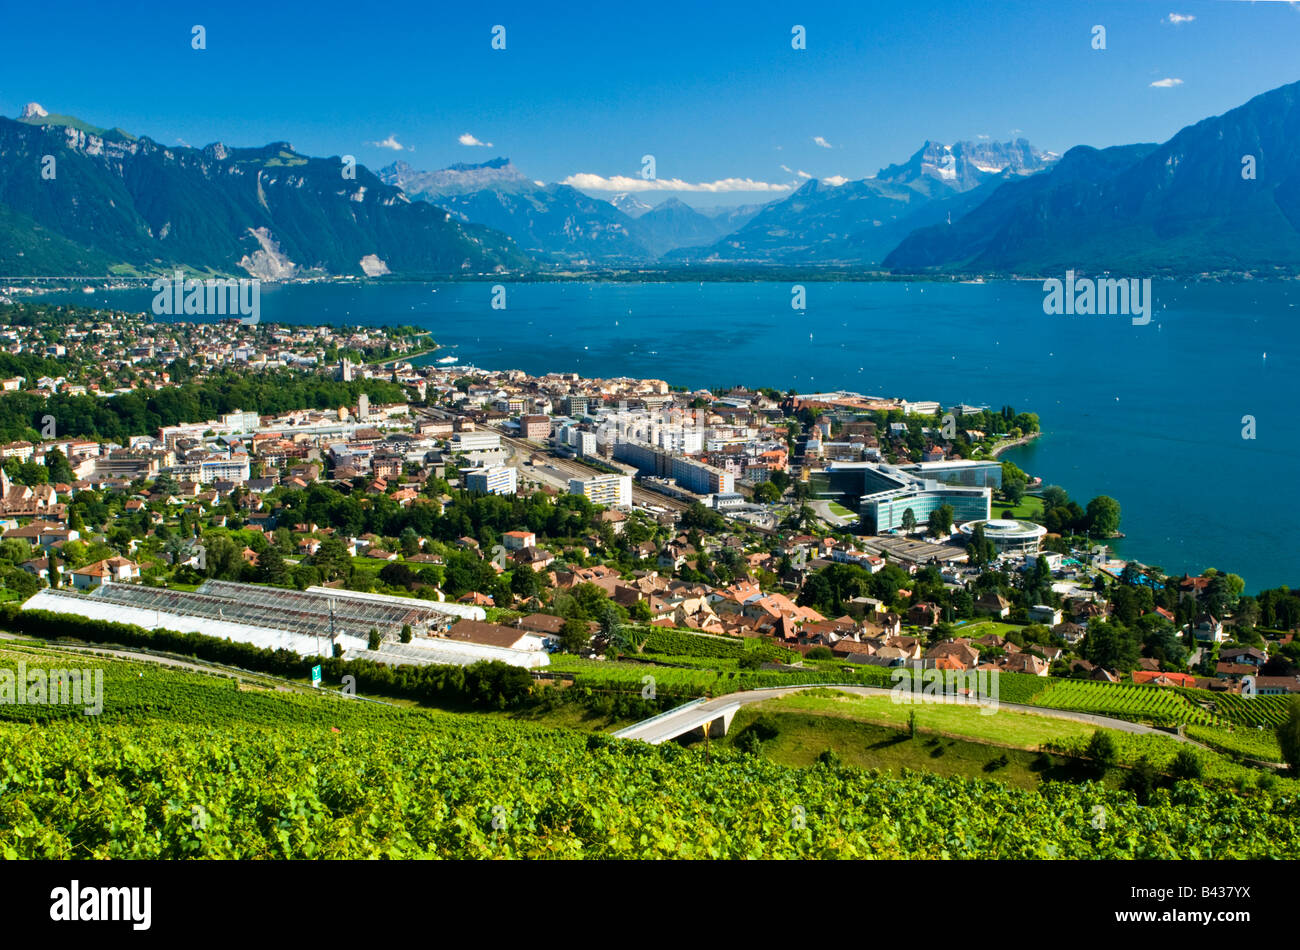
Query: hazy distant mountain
(673, 224)
(1183, 207)
(553, 221)
(859, 222)
(731, 217)
(458, 179)
(117, 201)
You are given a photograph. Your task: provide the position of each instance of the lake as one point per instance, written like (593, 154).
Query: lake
(1151, 415)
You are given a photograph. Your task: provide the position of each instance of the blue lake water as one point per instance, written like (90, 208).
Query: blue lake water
(1151, 415)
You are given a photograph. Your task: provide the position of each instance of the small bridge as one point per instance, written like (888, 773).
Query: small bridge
(712, 716)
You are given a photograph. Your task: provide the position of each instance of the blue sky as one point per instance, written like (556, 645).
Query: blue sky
(587, 90)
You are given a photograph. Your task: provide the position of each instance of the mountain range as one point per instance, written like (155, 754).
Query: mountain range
(1222, 195)
(76, 199)
(859, 222)
(559, 223)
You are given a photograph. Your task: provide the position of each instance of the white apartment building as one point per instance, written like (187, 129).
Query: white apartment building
(614, 491)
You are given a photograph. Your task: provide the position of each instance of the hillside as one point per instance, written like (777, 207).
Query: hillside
(323, 777)
(118, 203)
(1182, 207)
(859, 222)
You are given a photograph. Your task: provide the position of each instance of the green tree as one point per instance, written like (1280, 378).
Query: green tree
(374, 640)
(1102, 750)
(575, 637)
(940, 524)
(1103, 516)
(406, 633)
(909, 521)
(1288, 735)
(271, 567)
(1187, 765)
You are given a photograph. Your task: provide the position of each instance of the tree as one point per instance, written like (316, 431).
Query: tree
(1111, 645)
(375, 639)
(766, 493)
(1101, 750)
(53, 565)
(1141, 780)
(1187, 765)
(1054, 496)
(1288, 735)
(271, 568)
(525, 583)
(909, 521)
(574, 635)
(1103, 516)
(406, 633)
(940, 524)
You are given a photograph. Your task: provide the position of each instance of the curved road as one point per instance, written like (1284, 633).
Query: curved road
(670, 724)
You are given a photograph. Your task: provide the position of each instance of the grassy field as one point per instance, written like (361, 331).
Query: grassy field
(838, 509)
(953, 740)
(980, 628)
(804, 736)
(1006, 728)
(1030, 508)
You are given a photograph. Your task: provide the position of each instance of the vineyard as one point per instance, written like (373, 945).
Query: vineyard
(1252, 711)
(677, 643)
(1123, 701)
(1246, 743)
(471, 788)
(299, 775)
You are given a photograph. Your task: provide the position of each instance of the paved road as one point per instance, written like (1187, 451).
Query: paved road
(666, 726)
(125, 654)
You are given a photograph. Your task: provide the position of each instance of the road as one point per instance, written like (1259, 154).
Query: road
(666, 726)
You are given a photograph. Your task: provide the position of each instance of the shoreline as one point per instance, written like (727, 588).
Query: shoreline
(1023, 440)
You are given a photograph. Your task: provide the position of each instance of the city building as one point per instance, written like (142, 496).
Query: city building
(1009, 536)
(883, 494)
(701, 478)
(614, 491)
(535, 428)
(497, 480)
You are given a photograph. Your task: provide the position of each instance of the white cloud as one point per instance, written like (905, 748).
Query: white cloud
(835, 180)
(467, 139)
(822, 142)
(1177, 18)
(390, 142)
(803, 174)
(586, 181)
(984, 137)
(1166, 83)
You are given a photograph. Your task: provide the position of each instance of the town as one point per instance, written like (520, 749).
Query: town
(464, 515)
